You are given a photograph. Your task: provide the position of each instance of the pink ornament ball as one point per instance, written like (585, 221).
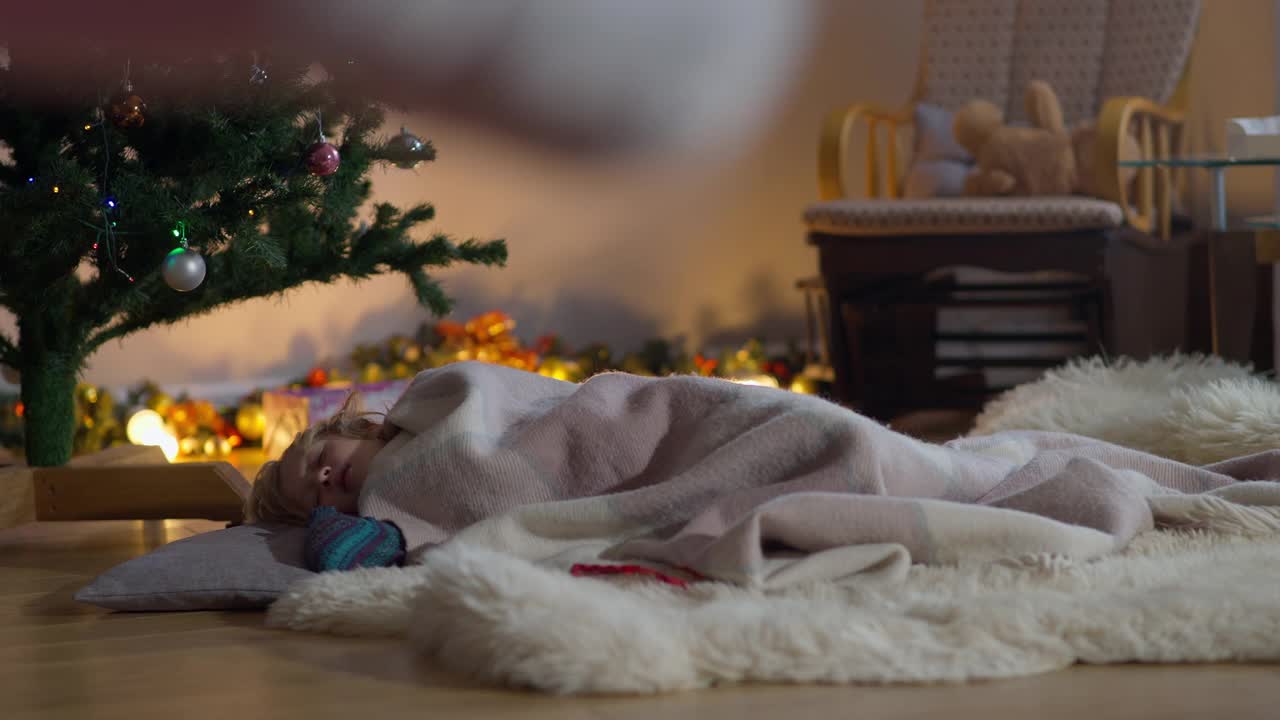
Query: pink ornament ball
(322, 159)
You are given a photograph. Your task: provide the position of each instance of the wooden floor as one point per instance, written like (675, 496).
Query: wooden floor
(59, 659)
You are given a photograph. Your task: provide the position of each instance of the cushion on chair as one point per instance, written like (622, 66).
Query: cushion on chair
(962, 216)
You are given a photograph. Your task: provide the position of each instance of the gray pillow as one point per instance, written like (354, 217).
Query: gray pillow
(247, 566)
(939, 164)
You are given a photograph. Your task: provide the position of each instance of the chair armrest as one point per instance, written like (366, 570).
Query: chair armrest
(1159, 135)
(833, 146)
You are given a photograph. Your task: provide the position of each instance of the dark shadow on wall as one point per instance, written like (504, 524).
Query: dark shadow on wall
(774, 319)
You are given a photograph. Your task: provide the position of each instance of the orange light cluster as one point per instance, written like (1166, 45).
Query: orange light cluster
(487, 337)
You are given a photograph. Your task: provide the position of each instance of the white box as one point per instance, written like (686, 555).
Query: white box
(1253, 137)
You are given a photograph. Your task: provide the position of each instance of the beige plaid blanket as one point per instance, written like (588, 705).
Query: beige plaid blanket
(764, 487)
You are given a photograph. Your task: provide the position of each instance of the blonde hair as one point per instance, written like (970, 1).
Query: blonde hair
(267, 501)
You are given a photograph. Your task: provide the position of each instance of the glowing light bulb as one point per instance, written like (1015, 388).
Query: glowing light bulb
(251, 212)
(146, 427)
(87, 126)
(56, 189)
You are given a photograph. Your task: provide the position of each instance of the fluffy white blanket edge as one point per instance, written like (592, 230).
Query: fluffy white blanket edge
(1195, 409)
(1169, 597)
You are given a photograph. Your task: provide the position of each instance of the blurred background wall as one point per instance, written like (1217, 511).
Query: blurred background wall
(696, 238)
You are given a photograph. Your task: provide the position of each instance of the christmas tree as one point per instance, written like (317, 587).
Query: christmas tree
(136, 194)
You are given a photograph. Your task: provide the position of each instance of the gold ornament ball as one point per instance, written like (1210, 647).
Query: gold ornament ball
(251, 421)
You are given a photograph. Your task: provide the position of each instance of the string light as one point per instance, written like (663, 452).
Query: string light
(30, 180)
(251, 212)
(110, 202)
(88, 127)
(56, 189)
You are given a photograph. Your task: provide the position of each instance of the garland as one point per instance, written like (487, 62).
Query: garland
(202, 430)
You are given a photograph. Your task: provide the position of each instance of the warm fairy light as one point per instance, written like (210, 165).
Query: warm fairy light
(761, 380)
(803, 385)
(147, 427)
(87, 126)
(251, 212)
(19, 409)
(56, 189)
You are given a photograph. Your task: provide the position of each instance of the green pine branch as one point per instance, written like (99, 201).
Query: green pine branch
(158, 304)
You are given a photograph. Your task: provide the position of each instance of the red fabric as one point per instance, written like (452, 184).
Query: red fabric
(584, 570)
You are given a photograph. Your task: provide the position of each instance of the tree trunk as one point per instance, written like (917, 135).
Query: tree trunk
(48, 397)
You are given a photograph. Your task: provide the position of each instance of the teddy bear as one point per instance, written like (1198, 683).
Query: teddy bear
(1042, 159)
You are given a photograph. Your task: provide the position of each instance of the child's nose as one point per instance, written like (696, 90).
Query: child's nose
(325, 472)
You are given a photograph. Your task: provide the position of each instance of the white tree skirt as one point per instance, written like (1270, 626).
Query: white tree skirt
(1169, 597)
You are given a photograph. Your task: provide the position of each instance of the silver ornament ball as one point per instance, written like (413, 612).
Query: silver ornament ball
(407, 149)
(183, 269)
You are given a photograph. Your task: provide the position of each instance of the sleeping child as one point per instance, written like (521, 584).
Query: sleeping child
(317, 482)
(743, 483)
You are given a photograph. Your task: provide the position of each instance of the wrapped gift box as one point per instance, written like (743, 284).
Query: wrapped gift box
(290, 411)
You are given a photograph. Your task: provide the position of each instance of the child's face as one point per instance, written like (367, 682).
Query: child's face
(329, 472)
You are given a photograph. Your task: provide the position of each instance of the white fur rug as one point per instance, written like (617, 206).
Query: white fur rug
(1169, 597)
(1191, 408)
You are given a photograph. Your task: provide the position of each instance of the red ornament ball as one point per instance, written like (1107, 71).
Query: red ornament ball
(317, 377)
(322, 159)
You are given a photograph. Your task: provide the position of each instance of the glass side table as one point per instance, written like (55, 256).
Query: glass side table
(1217, 166)
(1233, 291)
